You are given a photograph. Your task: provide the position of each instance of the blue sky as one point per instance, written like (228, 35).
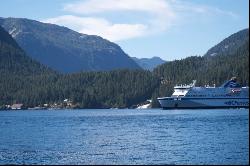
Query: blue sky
(170, 29)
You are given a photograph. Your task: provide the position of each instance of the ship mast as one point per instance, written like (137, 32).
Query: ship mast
(193, 84)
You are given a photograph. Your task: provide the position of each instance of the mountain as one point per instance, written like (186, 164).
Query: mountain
(14, 61)
(207, 69)
(23, 80)
(230, 44)
(21, 76)
(148, 63)
(65, 50)
(31, 83)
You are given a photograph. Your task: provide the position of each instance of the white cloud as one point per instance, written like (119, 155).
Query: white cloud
(100, 26)
(159, 15)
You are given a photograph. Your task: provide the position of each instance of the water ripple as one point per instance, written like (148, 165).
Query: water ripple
(124, 137)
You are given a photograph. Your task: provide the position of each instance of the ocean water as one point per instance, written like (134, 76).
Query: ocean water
(124, 136)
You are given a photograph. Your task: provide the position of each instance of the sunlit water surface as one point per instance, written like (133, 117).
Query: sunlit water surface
(124, 136)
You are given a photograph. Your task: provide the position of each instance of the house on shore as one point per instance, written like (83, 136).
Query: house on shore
(17, 106)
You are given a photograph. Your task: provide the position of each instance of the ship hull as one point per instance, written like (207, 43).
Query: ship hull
(203, 103)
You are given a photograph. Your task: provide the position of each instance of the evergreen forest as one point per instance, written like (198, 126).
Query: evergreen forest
(23, 80)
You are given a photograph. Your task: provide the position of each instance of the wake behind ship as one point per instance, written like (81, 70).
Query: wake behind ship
(229, 95)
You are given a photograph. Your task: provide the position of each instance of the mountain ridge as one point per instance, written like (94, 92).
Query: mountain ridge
(27, 81)
(207, 69)
(229, 44)
(148, 63)
(14, 59)
(65, 50)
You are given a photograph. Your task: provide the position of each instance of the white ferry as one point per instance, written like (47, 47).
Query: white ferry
(229, 95)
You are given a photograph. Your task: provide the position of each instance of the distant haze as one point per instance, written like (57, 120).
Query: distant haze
(148, 63)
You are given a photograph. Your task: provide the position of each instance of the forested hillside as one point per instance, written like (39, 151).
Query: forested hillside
(207, 70)
(230, 44)
(25, 81)
(13, 59)
(19, 74)
(119, 89)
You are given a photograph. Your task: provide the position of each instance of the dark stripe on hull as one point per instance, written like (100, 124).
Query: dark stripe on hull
(212, 103)
(196, 98)
(206, 107)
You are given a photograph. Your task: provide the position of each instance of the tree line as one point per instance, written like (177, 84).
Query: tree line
(23, 80)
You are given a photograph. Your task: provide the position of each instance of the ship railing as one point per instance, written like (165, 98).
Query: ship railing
(185, 86)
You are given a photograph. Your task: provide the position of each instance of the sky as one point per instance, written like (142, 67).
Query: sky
(170, 29)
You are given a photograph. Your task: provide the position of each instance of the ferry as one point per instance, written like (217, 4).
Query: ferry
(228, 95)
